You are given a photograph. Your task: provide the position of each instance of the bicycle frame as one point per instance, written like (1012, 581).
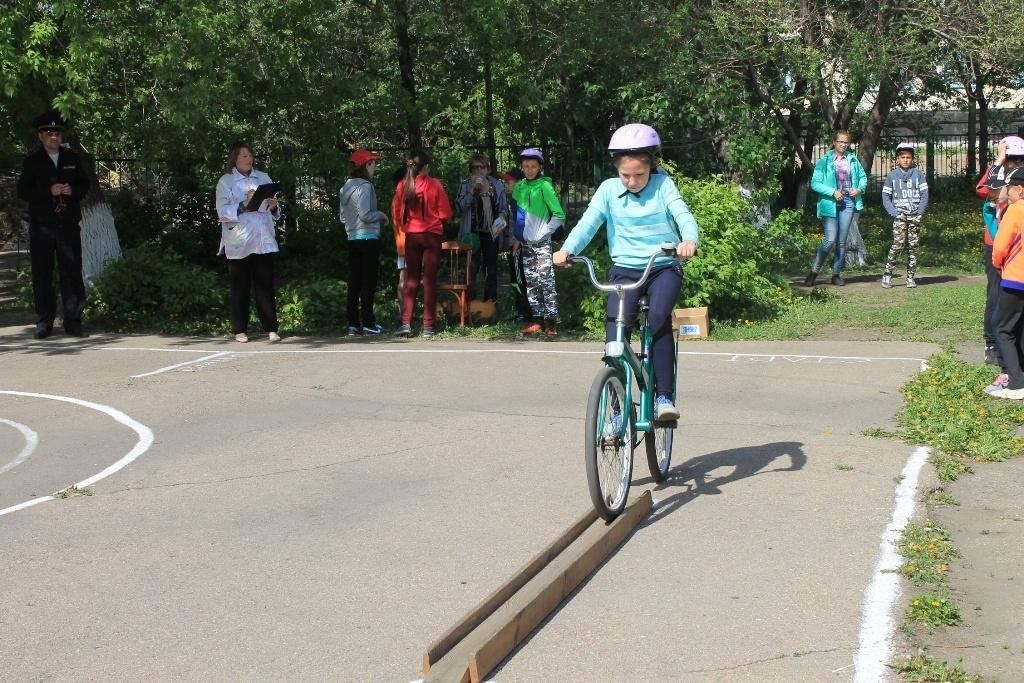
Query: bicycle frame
(619, 354)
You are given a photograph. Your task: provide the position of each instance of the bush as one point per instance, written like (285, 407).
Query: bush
(317, 306)
(738, 270)
(155, 289)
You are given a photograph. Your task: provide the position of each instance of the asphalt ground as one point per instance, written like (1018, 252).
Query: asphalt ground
(323, 510)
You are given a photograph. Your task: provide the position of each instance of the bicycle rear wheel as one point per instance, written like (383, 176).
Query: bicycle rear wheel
(609, 455)
(659, 449)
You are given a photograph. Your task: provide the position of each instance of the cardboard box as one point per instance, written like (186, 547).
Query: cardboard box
(691, 323)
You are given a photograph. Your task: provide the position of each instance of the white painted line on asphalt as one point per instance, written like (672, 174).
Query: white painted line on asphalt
(31, 441)
(769, 357)
(876, 631)
(181, 365)
(141, 446)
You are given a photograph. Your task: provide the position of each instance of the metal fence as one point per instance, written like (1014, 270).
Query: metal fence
(943, 158)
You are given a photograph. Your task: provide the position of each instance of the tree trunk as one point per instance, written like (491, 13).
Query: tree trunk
(407, 71)
(982, 100)
(972, 137)
(887, 92)
(100, 243)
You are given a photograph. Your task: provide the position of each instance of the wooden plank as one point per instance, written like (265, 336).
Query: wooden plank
(443, 645)
(514, 621)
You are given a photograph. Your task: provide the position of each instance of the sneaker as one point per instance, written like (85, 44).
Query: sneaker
(376, 329)
(353, 331)
(1013, 394)
(991, 355)
(404, 330)
(910, 282)
(838, 281)
(887, 281)
(665, 410)
(550, 331)
(532, 328)
(273, 337)
(428, 332)
(42, 331)
(998, 383)
(242, 338)
(809, 280)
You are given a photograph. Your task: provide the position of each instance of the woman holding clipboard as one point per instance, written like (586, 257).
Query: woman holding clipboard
(247, 240)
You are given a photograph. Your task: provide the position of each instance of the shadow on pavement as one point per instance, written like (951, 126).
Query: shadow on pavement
(698, 475)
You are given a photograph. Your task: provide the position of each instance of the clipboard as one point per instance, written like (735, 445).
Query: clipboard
(264, 191)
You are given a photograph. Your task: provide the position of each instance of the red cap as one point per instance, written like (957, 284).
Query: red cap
(362, 156)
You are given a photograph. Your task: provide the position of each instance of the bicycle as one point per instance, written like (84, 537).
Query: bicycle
(610, 427)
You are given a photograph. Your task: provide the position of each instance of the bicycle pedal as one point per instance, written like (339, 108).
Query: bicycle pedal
(672, 424)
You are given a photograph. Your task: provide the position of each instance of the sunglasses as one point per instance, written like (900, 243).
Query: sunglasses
(479, 166)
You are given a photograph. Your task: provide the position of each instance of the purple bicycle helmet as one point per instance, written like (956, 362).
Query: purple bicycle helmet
(531, 153)
(634, 137)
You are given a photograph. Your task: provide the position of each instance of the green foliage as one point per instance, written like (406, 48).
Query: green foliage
(923, 669)
(736, 272)
(934, 610)
(946, 409)
(311, 307)
(949, 467)
(928, 551)
(153, 289)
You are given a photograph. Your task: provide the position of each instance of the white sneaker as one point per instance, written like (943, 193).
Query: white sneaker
(1013, 394)
(910, 282)
(887, 281)
(242, 337)
(665, 410)
(273, 337)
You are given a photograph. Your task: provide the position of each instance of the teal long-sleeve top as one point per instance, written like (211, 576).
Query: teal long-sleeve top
(637, 224)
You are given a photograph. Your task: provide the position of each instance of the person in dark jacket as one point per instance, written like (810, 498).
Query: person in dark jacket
(53, 181)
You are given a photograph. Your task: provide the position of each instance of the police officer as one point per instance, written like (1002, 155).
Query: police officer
(53, 181)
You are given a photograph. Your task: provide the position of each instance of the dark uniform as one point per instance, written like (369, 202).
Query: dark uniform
(54, 230)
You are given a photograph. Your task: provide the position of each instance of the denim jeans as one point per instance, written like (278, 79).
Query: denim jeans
(841, 225)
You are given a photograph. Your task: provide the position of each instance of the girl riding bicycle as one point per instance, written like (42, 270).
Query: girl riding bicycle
(641, 209)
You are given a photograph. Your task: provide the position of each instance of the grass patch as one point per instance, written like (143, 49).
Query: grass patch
(928, 552)
(946, 409)
(940, 496)
(72, 492)
(934, 610)
(923, 669)
(842, 467)
(922, 315)
(949, 468)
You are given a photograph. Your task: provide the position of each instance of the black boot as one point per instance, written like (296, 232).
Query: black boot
(809, 280)
(838, 281)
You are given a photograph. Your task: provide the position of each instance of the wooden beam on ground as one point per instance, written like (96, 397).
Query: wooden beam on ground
(487, 635)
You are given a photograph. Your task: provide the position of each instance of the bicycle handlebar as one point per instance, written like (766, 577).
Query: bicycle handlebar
(667, 249)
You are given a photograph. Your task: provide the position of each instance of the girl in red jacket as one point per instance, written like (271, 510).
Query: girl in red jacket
(425, 208)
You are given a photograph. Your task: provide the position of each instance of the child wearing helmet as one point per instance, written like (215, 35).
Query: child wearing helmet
(640, 210)
(538, 215)
(905, 197)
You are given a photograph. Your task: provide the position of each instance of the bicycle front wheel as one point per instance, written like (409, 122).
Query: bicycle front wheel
(609, 443)
(659, 449)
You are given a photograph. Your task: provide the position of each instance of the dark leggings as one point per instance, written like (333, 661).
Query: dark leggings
(488, 263)
(662, 290)
(1009, 322)
(422, 253)
(363, 271)
(255, 271)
